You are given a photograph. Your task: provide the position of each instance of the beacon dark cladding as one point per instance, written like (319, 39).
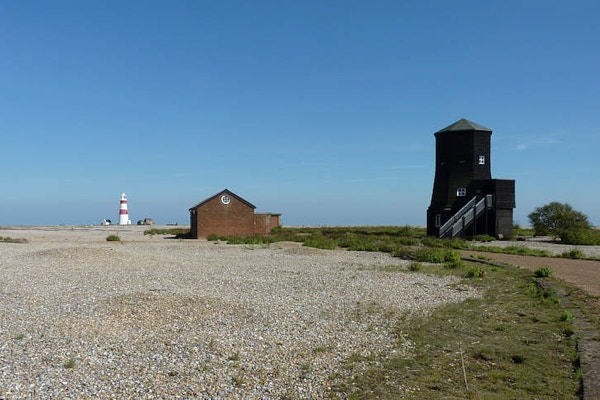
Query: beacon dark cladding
(466, 201)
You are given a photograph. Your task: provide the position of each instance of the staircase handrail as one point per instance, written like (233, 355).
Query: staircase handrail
(463, 217)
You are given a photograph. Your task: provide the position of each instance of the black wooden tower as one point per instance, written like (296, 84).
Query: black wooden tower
(466, 200)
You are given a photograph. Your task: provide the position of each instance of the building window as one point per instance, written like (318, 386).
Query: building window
(438, 220)
(461, 192)
(481, 160)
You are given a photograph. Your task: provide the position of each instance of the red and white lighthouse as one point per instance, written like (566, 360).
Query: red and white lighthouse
(123, 213)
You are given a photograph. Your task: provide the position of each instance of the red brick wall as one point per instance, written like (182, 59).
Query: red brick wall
(265, 222)
(214, 217)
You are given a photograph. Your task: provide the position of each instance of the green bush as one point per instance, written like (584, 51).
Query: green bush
(555, 217)
(212, 237)
(581, 236)
(113, 238)
(436, 255)
(182, 233)
(575, 254)
(319, 241)
(543, 272)
(475, 272)
(567, 316)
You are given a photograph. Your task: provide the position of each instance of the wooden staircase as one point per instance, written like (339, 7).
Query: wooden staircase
(466, 216)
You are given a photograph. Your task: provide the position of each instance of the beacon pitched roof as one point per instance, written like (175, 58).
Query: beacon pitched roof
(464, 125)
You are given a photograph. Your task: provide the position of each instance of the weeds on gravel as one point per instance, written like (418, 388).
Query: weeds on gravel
(113, 238)
(8, 239)
(237, 381)
(70, 363)
(179, 233)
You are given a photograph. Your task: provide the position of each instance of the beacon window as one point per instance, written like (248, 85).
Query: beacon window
(461, 192)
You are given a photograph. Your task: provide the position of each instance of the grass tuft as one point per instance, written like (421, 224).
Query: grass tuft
(113, 238)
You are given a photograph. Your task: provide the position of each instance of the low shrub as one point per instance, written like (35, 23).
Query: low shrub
(567, 316)
(475, 272)
(319, 241)
(113, 238)
(582, 236)
(436, 255)
(182, 233)
(415, 266)
(8, 239)
(574, 254)
(543, 272)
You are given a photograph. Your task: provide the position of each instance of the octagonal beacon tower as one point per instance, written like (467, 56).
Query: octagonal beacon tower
(466, 200)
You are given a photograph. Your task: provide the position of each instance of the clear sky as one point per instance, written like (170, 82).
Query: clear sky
(321, 110)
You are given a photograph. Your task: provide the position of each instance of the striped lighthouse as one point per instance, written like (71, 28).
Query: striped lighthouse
(123, 213)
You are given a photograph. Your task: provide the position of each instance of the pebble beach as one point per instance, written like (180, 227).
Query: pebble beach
(152, 317)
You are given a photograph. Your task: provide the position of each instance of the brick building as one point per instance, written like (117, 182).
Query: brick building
(227, 214)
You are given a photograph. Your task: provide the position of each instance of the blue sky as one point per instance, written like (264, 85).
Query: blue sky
(323, 111)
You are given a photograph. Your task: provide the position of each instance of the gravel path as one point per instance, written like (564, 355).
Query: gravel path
(151, 317)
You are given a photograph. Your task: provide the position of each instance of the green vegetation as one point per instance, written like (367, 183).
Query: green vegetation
(70, 363)
(543, 272)
(522, 233)
(8, 239)
(475, 272)
(113, 238)
(515, 342)
(405, 242)
(574, 254)
(563, 222)
(179, 233)
(415, 266)
(237, 381)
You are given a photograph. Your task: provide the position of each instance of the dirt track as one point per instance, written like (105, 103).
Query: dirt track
(585, 274)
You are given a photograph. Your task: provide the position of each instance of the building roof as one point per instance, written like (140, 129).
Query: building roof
(464, 125)
(221, 193)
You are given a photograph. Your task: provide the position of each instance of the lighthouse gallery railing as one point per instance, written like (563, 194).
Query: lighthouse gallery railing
(466, 215)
